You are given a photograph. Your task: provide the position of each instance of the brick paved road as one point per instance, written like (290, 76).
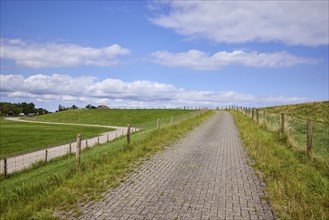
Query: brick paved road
(203, 176)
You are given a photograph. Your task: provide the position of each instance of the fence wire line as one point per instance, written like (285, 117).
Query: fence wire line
(296, 130)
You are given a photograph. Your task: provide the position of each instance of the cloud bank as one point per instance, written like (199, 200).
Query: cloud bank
(59, 55)
(200, 60)
(83, 90)
(290, 22)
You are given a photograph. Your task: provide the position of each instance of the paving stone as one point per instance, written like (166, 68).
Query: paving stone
(205, 175)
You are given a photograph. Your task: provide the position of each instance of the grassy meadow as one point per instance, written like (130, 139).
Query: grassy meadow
(114, 117)
(19, 137)
(297, 186)
(46, 191)
(295, 125)
(315, 111)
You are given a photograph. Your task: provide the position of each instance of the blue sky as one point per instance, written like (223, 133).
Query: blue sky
(164, 54)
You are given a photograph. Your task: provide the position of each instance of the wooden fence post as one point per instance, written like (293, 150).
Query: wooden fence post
(264, 117)
(158, 123)
(78, 151)
(309, 138)
(70, 149)
(107, 137)
(257, 116)
(46, 156)
(98, 140)
(86, 143)
(128, 134)
(252, 113)
(5, 167)
(282, 123)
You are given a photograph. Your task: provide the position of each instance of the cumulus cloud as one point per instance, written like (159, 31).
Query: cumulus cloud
(58, 55)
(82, 90)
(290, 22)
(200, 60)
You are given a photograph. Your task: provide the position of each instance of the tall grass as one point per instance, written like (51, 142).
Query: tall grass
(295, 133)
(298, 187)
(51, 191)
(315, 111)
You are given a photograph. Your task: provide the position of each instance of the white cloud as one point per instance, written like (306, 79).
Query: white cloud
(58, 55)
(61, 89)
(200, 60)
(290, 22)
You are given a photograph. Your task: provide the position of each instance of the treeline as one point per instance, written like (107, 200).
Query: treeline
(7, 108)
(63, 108)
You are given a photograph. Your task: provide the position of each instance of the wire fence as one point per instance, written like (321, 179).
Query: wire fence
(303, 135)
(26, 161)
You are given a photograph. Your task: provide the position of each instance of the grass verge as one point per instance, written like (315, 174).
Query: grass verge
(41, 192)
(298, 187)
(18, 137)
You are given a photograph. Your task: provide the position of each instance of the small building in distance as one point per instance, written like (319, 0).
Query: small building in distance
(103, 107)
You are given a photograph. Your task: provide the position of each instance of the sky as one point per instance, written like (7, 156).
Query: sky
(155, 54)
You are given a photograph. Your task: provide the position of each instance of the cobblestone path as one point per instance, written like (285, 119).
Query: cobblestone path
(205, 175)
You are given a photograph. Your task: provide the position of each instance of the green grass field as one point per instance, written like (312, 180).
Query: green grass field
(115, 117)
(24, 137)
(295, 125)
(19, 137)
(297, 186)
(41, 192)
(316, 111)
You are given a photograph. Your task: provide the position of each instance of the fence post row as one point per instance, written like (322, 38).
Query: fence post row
(309, 128)
(128, 134)
(309, 137)
(78, 151)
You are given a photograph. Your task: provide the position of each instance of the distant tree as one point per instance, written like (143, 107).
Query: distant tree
(27, 107)
(90, 106)
(17, 108)
(41, 111)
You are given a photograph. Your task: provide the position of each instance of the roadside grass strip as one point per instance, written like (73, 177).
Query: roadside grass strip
(297, 186)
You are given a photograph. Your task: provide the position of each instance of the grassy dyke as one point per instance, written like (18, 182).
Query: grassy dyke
(115, 117)
(315, 111)
(59, 187)
(298, 187)
(18, 137)
(295, 125)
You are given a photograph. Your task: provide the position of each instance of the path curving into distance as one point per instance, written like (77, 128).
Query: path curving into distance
(23, 161)
(62, 123)
(205, 175)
